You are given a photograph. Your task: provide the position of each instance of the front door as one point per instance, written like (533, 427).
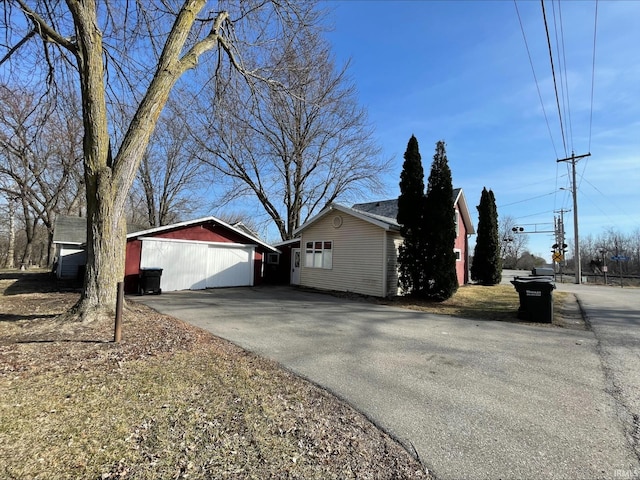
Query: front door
(295, 266)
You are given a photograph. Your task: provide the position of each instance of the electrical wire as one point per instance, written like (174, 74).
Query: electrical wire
(553, 74)
(535, 78)
(593, 70)
(564, 85)
(527, 199)
(593, 73)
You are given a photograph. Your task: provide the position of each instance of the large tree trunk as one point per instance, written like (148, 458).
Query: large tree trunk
(104, 256)
(106, 233)
(108, 179)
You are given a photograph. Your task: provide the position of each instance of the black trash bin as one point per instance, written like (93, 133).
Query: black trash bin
(536, 298)
(149, 281)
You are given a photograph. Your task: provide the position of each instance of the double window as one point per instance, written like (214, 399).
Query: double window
(319, 254)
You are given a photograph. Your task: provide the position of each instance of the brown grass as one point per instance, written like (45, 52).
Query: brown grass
(170, 401)
(498, 302)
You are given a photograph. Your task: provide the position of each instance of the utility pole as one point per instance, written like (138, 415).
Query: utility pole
(574, 190)
(559, 249)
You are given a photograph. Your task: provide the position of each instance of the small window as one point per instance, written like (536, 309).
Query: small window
(319, 254)
(456, 219)
(273, 258)
(458, 254)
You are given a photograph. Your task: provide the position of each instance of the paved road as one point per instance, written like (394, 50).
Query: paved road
(613, 313)
(476, 399)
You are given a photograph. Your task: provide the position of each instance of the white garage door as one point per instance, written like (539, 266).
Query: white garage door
(196, 265)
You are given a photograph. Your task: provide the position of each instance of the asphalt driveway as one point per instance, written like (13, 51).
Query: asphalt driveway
(475, 399)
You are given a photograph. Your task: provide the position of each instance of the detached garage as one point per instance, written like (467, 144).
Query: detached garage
(194, 255)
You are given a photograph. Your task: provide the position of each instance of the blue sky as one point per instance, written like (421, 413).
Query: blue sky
(459, 71)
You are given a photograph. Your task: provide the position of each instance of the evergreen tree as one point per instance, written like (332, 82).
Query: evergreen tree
(487, 263)
(410, 214)
(439, 231)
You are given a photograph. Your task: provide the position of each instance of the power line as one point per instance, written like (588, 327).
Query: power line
(593, 70)
(553, 74)
(527, 199)
(535, 78)
(564, 85)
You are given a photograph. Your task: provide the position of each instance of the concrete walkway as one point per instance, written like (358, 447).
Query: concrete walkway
(475, 399)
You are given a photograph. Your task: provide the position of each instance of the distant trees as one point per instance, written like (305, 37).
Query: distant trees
(597, 250)
(169, 175)
(40, 166)
(440, 230)
(487, 264)
(411, 210)
(513, 244)
(293, 150)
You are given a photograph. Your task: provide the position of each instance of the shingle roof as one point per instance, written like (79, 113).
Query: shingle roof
(73, 230)
(389, 208)
(384, 208)
(70, 230)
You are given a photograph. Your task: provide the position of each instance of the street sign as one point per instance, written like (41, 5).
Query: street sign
(619, 258)
(557, 257)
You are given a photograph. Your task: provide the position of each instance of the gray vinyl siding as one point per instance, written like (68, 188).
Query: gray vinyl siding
(358, 248)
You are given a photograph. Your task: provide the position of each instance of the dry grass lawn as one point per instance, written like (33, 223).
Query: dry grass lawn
(498, 302)
(170, 401)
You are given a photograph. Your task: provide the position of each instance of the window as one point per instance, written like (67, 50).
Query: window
(456, 219)
(273, 258)
(458, 254)
(319, 254)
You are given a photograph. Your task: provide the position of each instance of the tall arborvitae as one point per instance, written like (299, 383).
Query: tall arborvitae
(487, 263)
(440, 230)
(410, 213)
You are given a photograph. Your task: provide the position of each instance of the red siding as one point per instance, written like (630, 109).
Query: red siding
(132, 265)
(461, 243)
(202, 233)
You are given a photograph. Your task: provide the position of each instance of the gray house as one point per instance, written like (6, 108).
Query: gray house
(70, 240)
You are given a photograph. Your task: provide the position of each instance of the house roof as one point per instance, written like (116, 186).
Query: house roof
(389, 208)
(375, 219)
(175, 226)
(73, 230)
(284, 243)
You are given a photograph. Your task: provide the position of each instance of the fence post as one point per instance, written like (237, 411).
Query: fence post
(117, 334)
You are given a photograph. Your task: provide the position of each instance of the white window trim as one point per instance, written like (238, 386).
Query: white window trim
(326, 254)
(458, 253)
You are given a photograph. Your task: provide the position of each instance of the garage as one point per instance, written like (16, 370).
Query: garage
(188, 265)
(203, 253)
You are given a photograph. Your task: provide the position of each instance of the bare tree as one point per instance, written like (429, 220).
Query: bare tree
(41, 146)
(169, 176)
(513, 243)
(130, 56)
(295, 150)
